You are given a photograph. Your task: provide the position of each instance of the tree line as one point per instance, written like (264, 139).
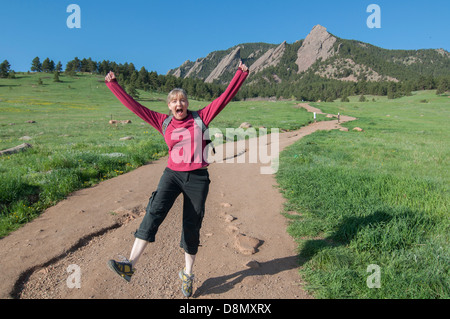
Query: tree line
(308, 87)
(132, 79)
(312, 87)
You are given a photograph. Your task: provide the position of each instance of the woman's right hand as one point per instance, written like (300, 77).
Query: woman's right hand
(110, 76)
(243, 67)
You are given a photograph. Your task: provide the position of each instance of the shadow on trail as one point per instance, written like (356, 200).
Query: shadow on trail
(222, 284)
(346, 232)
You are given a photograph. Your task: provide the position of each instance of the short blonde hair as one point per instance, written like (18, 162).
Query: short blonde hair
(176, 93)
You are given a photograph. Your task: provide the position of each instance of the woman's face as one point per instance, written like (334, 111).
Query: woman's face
(179, 105)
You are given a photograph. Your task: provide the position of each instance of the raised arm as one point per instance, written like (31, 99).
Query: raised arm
(215, 107)
(155, 119)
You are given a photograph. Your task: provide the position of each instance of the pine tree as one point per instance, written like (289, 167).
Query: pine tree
(73, 66)
(153, 80)
(46, 65)
(58, 67)
(131, 90)
(4, 69)
(51, 66)
(92, 66)
(36, 65)
(442, 86)
(56, 76)
(391, 94)
(345, 99)
(143, 76)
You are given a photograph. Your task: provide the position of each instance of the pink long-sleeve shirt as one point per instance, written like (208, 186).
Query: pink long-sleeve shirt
(183, 137)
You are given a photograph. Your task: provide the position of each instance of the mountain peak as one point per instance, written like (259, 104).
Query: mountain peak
(318, 44)
(318, 28)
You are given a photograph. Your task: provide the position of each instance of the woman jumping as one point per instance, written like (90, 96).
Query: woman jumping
(186, 171)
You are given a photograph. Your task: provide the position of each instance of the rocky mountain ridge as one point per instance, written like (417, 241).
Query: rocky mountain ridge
(321, 54)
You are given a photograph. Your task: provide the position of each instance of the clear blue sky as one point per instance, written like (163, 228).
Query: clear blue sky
(161, 35)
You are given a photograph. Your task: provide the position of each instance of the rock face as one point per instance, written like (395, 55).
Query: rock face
(177, 72)
(221, 65)
(228, 64)
(271, 58)
(188, 69)
(195, 69)
(285, 59)
(318, 44)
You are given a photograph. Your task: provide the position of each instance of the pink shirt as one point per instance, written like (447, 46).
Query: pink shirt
(183, 137)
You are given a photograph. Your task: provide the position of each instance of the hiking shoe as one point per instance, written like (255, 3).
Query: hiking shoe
(123, 268)
(186, 285)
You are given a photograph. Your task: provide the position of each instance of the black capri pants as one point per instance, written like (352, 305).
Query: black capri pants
(195, 186)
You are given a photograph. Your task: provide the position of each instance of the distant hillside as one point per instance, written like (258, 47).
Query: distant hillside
(280, 69)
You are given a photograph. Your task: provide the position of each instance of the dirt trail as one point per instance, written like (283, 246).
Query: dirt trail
(245, 251)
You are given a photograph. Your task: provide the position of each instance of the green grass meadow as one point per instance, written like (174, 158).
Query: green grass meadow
(378, 197)
(74, 146)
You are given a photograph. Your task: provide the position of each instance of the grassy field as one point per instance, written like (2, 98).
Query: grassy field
(74, 146)
(378, 197)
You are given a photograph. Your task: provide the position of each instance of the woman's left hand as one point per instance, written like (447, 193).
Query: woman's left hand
(110, 76)
(243, 67)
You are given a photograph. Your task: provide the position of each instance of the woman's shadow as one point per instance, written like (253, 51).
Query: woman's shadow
(346, 231)
(222, 284)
